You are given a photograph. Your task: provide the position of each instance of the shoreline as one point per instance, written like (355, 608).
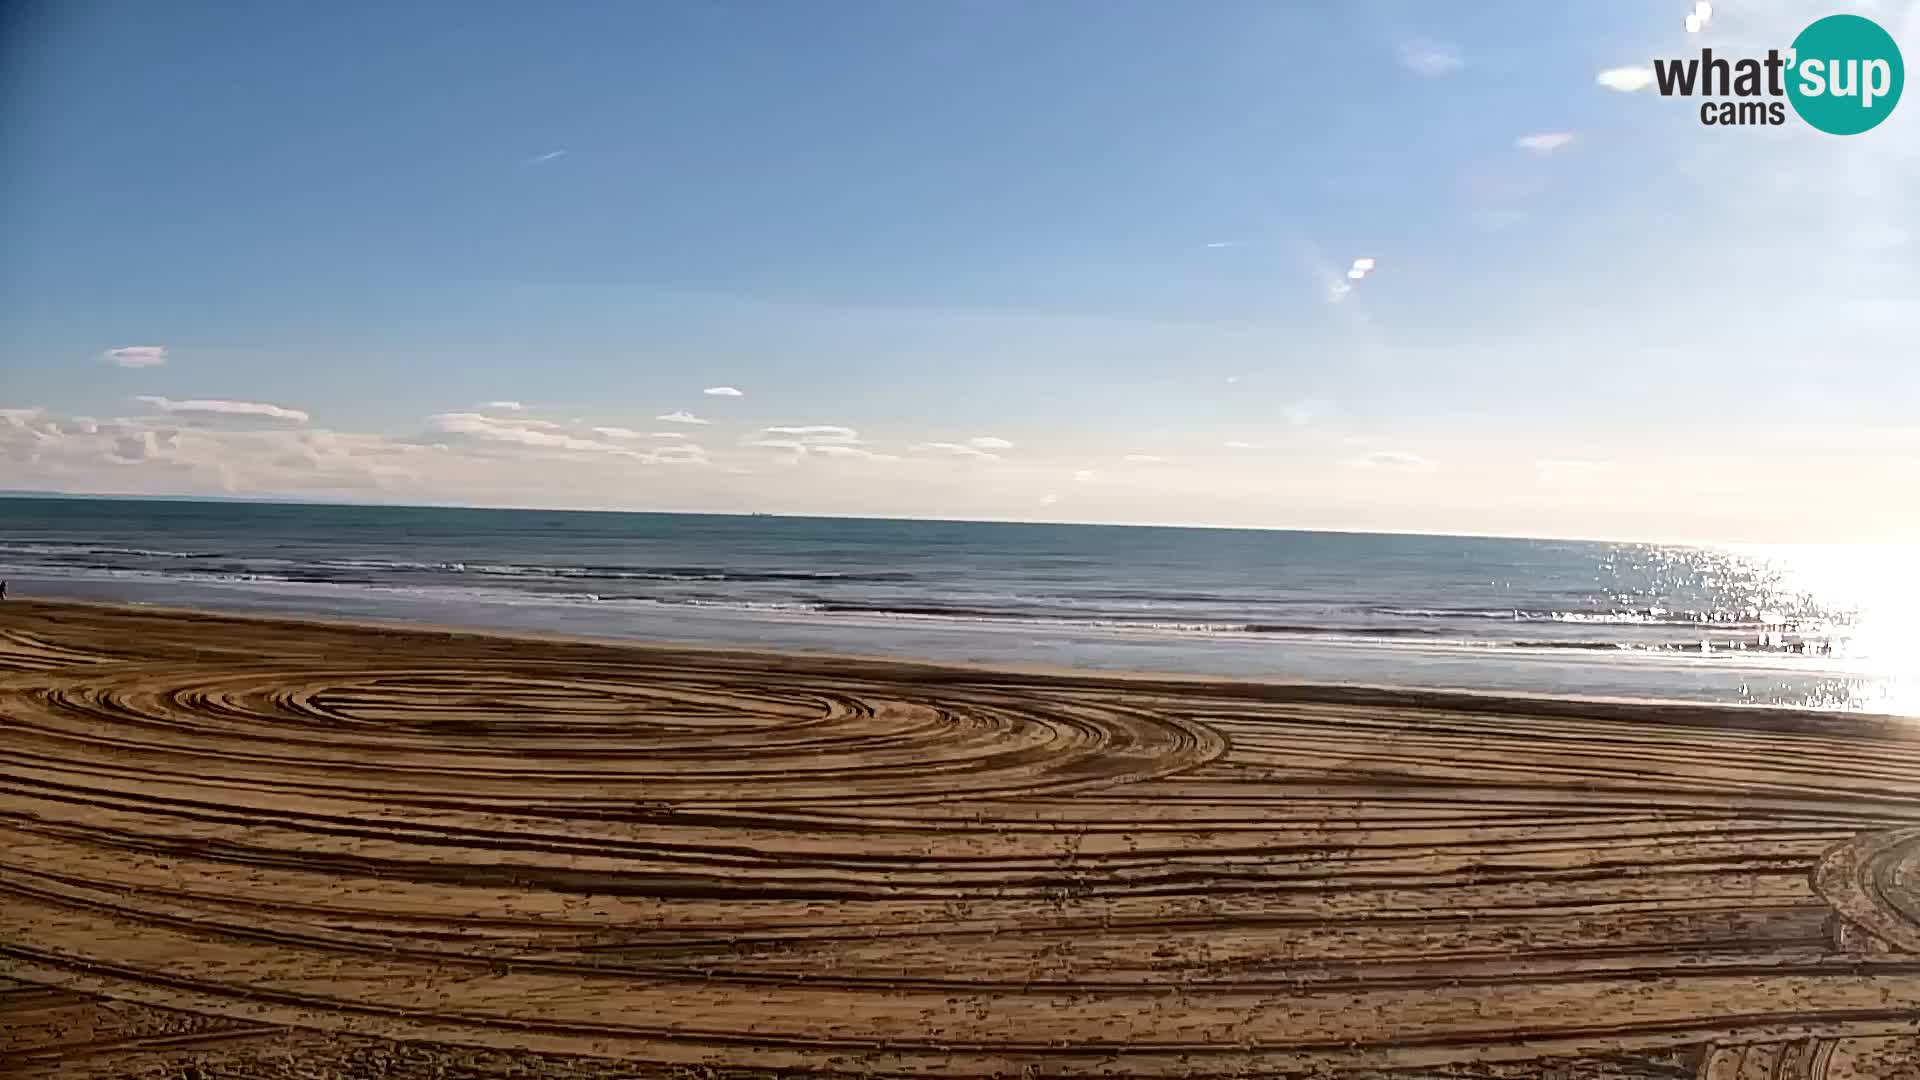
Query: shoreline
(1302, 691)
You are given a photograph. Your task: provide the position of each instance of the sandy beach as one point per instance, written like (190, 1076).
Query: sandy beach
(253, 848)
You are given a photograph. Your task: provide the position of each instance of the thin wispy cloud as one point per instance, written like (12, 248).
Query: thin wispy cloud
(1144, 459)
(138, 356)
(839, 450)
(1627, 80)
(1227, 244)
(210, 407)
(815, 434)
(1430, 59)
(1395, 460)
(477, 430)
(1237, 444)
(541, 159)
(682, 454)
(504, 406)
(668, 434)
(792, 445)
(681, 417)
(723, 391)
(1545, 142)
(623, 433)
(955, 450)
(989, 442)
(528, 433)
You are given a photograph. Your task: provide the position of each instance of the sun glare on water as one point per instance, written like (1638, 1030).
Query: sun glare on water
(1867, 596)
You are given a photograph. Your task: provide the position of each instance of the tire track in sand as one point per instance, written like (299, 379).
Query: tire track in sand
(567, 854)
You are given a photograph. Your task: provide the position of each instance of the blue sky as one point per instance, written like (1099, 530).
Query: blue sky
(1059, 261)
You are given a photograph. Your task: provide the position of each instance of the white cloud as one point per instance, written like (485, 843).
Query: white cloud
(668, 435)
(1337, 291)
(504, 406)
(1227, 244)
(628, 433)
(820, 440)
(34, 424)
(1545, 142)
(124, 455)
(679, 454)
(1626, 79)
(956, 450)
(814, 434)
(1144, 459)
(794, 445)
(529, 433)
(722, 391)
(1081, 476)
(1236, 444)
(1049, 499)
(681, 417)
(138, 356)
(135, 447)
(216, 407)
(540, 159)
(1396, 459)
(41, 426)
(1430, 59)
(989, 442)
(838, 450)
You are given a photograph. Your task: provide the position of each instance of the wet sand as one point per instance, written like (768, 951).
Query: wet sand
(258, 848)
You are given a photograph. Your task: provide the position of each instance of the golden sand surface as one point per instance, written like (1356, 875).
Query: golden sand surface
(272, 849)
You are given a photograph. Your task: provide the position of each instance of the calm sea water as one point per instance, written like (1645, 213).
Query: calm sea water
(1831, 628)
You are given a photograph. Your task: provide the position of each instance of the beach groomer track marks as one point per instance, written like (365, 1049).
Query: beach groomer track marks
(254, 848)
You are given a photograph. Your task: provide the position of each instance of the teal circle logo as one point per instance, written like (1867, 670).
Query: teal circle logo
(1846, 74)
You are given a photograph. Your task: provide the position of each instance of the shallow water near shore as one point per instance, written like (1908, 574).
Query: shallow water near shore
(1818, 628)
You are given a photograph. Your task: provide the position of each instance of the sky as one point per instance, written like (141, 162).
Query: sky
(1072, 261)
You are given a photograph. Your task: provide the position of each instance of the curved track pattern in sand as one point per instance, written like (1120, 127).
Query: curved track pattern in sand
(566, 858)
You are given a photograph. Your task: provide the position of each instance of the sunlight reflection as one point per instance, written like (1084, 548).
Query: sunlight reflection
(1862, 600)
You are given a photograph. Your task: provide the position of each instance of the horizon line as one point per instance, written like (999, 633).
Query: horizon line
(268, 500)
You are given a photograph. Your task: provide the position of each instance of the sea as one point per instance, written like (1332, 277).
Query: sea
(1819, 627)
